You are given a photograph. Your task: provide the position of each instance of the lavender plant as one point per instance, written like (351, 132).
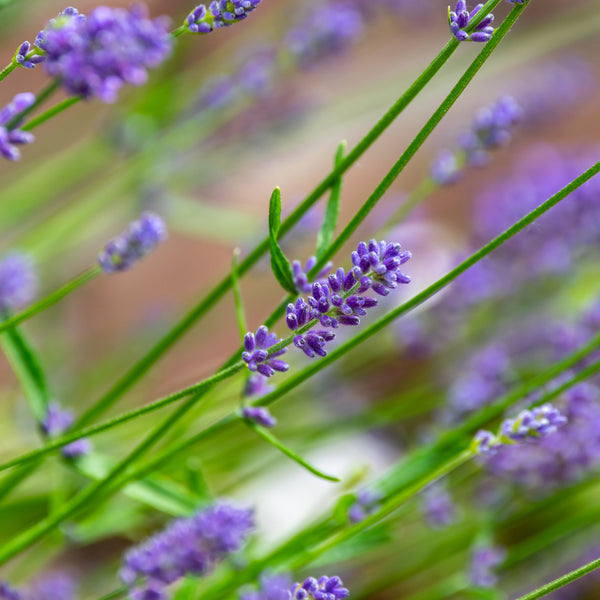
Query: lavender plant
(496, 416)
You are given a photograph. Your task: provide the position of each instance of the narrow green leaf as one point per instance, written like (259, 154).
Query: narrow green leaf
(279, 263)
(332, 211)
(290, 453)
(240, 313)
(27, 368)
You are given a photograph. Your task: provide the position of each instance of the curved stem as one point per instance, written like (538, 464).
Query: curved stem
(562, 581)
(51, 299)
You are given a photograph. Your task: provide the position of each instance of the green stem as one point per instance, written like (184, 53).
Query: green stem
(51, 299)
(206, 304)
(422, 136)
(72, 436)
(51, 112)
(8, 69)
(562, 581)
(39, 100)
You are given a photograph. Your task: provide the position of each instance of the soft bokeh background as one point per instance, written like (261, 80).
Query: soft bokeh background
(210, 173)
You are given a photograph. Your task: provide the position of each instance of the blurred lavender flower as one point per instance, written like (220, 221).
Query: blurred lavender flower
(186, 546)
(366, 503)
(53, 586)
(481, 381)
(328, 29)
(256, 352)
(491, 128)
(437, 506)
(140, 238)
(57, 421)
(97, 55)
(527, 426)
(24, 59)
(259, 415)
(272, 587)
(484, 561)
(256, 386)
(7, 592)
(220, 13)
(18, 281)
(10, 135)
(460, 18)
(325, 588)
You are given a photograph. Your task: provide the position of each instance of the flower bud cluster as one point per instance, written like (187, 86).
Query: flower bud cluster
(529, 425)
(220, 13)
(460, 18)
(256, 352)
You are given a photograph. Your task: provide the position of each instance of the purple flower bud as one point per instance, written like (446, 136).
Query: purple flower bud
(257, 355)
(57, 421)
(460, 19)
(259, 415)
(18, 281)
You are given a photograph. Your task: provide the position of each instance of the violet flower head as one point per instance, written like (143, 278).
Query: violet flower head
(18, 281)
(327, 30)
(53, 586)
(220, 13)
(527, 426)
(95, 56)
(25, 56)
(334, 302)
(532, 424)
(324, 588)
(259, 415)
(10, 135)
(484, 561)
(56, 422)
(459, 20)
(256, 386)
(8, 592)
(256, 352)
(187, 546)
(138, 240)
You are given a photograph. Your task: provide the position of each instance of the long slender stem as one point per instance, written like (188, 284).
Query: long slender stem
(51, 299)
(51, 112)
(8, 69)
(59, 442)
(206, 303)
(562, 581)
(421, 137)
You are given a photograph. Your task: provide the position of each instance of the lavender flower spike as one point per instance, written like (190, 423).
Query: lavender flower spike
(10, 135)
(95, 56)
(528, 426)
(140, 238)
(256, 352)
(189, 546)
(220, 13)
(484, 561)
(459, 20)
(18, 281)
(301, 278)
(325, 588)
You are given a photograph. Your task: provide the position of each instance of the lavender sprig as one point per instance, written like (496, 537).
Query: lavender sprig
(324, 588)
(10, 135)
(220, 13)
(528, 426)
(459, 20)
(257, 356)
(27, 57)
